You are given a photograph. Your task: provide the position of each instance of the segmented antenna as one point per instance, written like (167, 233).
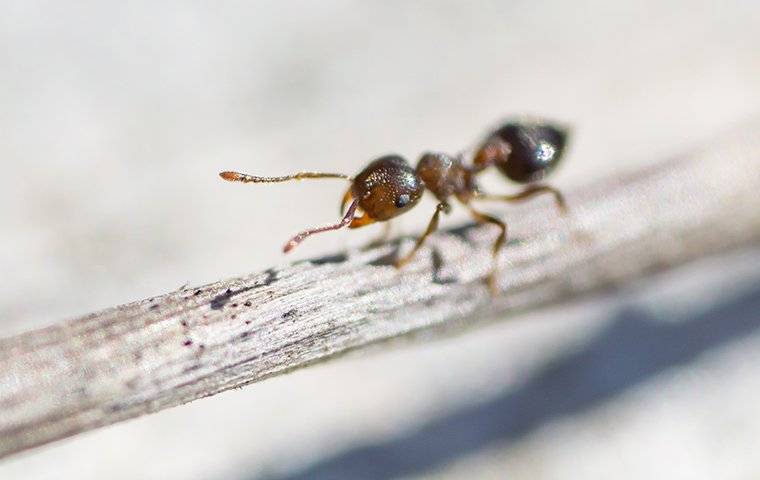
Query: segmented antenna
(246, 178)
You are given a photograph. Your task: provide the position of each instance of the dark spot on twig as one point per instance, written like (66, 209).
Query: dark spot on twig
(248, 303)
(154, 307)
(233, 317)
(187, 342)
(244, 334)
(183, 323)
(114, 408)
(290, 313)
(271, 278)
(192, 368)
(198, 292)
(234, 305)
(339, 258)
(218, 302)
(201, 346)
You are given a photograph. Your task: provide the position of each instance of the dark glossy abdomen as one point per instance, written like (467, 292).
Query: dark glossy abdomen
(537, 148)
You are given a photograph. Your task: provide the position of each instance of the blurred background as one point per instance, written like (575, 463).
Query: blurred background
(117, 116)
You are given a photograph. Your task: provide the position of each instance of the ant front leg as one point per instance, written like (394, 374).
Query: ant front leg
(384, 235)
(432, 227)
(530, 192)
(500, 240)
(380, 239)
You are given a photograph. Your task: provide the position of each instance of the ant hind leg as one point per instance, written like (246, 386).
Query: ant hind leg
(498, 244)
(530, 192)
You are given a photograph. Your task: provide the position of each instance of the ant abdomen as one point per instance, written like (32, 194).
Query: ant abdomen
(535, 149)
(387, 187)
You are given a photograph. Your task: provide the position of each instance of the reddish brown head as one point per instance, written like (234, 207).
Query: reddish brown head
(388, 187)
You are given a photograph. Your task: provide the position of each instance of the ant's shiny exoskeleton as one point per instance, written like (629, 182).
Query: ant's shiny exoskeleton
(524, 151)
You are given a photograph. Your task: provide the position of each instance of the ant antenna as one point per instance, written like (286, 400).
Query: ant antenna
(347, 219)
(245, 178)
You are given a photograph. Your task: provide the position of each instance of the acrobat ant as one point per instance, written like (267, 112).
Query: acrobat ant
(524, 151)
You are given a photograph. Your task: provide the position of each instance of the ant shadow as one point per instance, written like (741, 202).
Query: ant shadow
(393, 256)
(634, 348)
(436, 257)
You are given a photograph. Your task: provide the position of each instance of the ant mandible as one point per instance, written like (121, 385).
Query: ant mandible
(524, 151)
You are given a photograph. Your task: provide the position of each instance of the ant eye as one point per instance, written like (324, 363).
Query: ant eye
(402, 201)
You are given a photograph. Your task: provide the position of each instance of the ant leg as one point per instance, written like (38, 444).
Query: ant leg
(382, 237)
(347, 219)
(502, 238)
(432, 227)
(529, 192)
(386, 232)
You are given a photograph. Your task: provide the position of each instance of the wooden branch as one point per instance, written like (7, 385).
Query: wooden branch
(149, 355)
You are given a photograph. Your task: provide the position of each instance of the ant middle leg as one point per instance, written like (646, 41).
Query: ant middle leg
(380, 239)
(530, 192)
(384, 235)
(497, 245)
(432, 227)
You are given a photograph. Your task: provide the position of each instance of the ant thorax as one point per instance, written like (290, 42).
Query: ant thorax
(442, 174)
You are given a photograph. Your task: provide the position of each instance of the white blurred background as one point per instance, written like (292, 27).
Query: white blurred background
(115, 118)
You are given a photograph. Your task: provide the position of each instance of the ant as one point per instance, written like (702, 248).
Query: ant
(524, 151)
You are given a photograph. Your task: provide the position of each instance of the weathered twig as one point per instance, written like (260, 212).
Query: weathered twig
(149, 355)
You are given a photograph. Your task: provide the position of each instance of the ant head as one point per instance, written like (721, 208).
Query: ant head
(388, 187)
(536, 148)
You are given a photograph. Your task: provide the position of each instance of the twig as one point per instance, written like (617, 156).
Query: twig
(146, 356)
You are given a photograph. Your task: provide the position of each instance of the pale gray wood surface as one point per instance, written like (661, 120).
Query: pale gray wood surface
(195, 342)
